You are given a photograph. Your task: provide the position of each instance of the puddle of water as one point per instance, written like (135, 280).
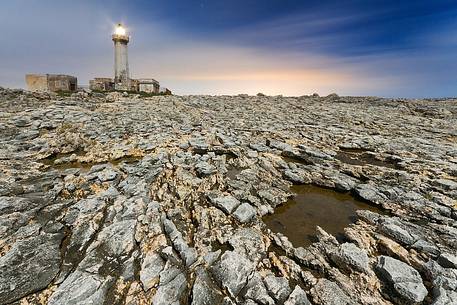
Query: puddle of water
(83, 166)
(361, 157)
(216, 245)
(232, 172)
(127, 160)
(354, 150)
(296, 160)
(315, 206)
(52, 158)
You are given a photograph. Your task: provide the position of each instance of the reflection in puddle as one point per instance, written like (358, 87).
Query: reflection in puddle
(83, 167)
(296, 160)
(52, 158)
(314, 206)
(232, 172)
(216, 245)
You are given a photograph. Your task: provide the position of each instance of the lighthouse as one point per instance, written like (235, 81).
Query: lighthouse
(122, 80)
(121, 63)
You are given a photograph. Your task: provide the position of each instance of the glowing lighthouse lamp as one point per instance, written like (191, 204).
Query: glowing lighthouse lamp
(120, 30)
(121, 64)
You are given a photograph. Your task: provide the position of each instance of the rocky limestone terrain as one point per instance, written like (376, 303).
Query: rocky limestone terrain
(118, 199)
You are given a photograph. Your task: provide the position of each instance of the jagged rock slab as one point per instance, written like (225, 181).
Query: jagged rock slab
(402, 278)
(29, 266)
(159, 200)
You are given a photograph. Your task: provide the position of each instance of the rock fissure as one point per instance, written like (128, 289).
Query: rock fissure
(162, 200)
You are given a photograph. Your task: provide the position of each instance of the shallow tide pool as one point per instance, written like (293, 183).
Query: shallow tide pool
(315, 206)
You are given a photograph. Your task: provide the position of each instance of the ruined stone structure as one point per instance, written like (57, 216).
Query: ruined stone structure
(101, 84)
(51, 82)
(122, 80)
(148, 85)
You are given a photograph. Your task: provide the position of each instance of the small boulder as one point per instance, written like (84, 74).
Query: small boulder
(394, 229)
(329, 293)
(172, 287)
(426, 247)
(403, 279)
(233, 271)
(297, 297)
(349, 255)
(244, 213)
(29, 266)
(83, 288)
(204, 168)
(225, 203)
(297, 176)
(278, 287)
(204, 291)
(369, 193)
(444, 297)
(447, 260)
(113, 96)
(151, 267)
(107, 174)
(446, 184)
(256, 291)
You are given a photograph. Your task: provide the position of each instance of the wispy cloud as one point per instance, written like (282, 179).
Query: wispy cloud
(294, 54)
(197, 67)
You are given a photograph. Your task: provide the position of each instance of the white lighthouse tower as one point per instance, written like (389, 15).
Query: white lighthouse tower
(122, 80)
(121, 63)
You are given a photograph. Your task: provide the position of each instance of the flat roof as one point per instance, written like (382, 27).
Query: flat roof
(47, 75)
(147, 81)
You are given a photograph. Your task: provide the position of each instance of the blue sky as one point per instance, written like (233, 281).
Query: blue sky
(384, 48)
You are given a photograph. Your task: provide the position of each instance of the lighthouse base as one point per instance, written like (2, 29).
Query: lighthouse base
(125, 87)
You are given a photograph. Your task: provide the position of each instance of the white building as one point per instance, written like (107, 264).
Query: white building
(121, 58)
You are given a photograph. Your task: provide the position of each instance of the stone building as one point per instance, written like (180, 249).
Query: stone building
(102, 84)
(51, 82)
(148, 85)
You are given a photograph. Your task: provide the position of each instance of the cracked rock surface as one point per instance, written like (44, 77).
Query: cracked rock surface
(118, 199)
